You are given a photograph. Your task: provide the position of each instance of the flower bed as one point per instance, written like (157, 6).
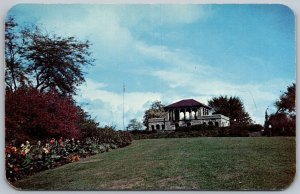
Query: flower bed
(28, 159)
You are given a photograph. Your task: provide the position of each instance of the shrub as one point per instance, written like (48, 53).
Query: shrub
(233, 131)
(32, 115)
(199, 131)
(254, 128)
(196, 128)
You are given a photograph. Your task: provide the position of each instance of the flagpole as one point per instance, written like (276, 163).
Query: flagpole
(123, 105)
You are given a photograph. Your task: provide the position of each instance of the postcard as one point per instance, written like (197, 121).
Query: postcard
(150, 97)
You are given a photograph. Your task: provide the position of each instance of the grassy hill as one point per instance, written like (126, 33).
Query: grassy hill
(264, 163)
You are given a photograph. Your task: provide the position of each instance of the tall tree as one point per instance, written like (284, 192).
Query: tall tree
(134, 125)
(14, 71)
(54, 62)
(287, 101)
(283, 122)
(232, 107)
(156, 110)
(88, 125)
(44, 61)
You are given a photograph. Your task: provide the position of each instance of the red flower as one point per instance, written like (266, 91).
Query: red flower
(16, 169)
(52, 141)
(7, 150)
(60, 141)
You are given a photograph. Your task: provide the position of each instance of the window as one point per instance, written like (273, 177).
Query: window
(210, 123)
(158, 127)
(217, 124)
(162, 126)
(152, 127)
(205, 111)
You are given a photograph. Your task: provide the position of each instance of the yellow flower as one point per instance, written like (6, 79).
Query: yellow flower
(46, 151)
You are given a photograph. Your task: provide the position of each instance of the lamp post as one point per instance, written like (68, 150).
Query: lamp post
(270, 129)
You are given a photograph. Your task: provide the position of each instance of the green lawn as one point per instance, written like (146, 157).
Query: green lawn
(216, 163)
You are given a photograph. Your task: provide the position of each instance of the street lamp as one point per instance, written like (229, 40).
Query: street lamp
(270, 127)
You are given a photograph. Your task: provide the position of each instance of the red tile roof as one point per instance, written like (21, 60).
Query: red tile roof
(186, 103)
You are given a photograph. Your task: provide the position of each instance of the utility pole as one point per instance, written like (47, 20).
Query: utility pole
(123, 104)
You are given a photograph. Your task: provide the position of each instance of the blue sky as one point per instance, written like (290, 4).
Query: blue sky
(174, 52)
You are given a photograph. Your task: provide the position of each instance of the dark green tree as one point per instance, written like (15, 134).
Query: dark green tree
(46, 62)
(287, 101)
(283, 122)
(156, 110)
(134, 125)
(231, 107)
(88, 125)
(54, 62)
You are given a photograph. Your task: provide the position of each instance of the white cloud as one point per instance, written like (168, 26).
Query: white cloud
(256, 96)
(177, 14)
(110, 104)
(107, 25)
(155, 15)
(180, 59)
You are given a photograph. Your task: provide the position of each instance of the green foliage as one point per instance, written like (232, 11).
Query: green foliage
(134, 125)
(156, 110)
(196, 128)
(287, 101)
(283, 122)
(231, 107)
(14, 69)
(43, 61)
(199, 131)
(88, 126)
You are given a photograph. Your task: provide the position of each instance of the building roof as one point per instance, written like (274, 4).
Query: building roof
(187, 103)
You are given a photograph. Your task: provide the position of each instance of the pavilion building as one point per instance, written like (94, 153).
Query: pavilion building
(186, 113)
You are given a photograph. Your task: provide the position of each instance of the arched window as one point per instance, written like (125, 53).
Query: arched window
(193, 115)
(217, 124)
(187, 115)
(210, 123)
(158, 127)
(181, 115)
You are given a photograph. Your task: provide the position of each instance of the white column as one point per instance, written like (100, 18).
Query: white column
(173, 113)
